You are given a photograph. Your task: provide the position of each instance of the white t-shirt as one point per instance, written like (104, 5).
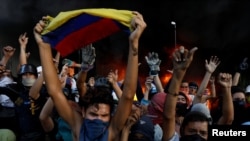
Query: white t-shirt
(5, 101)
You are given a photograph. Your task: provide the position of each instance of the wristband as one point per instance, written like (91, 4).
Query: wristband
(153, 73)
(173, 94)
(144, 102)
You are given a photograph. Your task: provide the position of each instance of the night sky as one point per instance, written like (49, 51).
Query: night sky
(220, 28)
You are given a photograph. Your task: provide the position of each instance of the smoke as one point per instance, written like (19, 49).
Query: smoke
(217, 27)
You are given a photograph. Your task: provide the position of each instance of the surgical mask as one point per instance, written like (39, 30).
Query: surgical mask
(94, 129)
(181, 109)
(28, 81)
(194, 137)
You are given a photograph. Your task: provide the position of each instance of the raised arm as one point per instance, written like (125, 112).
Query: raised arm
(130, 82)
(241, 68)
(180, 65)
(23, 41)
(154, 62)
(148, 87)
(212, 87)
(34, 92)
(225, 80)
(51, 78)
(8, 52)
(88, 60)
(206, 97)
(113, 78)
(45, 116)
(210, 68)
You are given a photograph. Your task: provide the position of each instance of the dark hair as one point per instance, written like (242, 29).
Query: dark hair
(96, 96)
(183, 94)
(193, 116)
(235, 89)
(193, 84)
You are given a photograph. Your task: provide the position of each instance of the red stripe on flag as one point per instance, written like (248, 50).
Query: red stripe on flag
(86, 35)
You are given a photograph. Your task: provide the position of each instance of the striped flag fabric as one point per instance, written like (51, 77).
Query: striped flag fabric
(71, 30)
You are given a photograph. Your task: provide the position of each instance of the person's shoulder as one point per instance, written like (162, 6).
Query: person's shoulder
(175, 137)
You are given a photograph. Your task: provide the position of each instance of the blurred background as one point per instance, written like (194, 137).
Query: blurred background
(218, 28)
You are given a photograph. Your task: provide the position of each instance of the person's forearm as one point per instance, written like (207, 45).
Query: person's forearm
(170, 105)
(117, 90)
(130, 81)
(45, 119)
(213, 90)
(236, 79)
(4, 61)
(146, 94)
(125, 134)
(52, 81)
(227, 108)
(158, 84)
(204, 84)
(177, 77)
(173, 91)
(77, 65)
(202, 87)
(129, 88)
(81, 85)
(22, 56)
(34, 92)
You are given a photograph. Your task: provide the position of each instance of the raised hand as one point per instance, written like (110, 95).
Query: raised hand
(88, 58)
(113, 76)
(134, 117)
(23, 40)
(138, 25)
(225, 80)
(38, 29)
(182, 58)
(153, 62)
(212, 64)
(243, 65)
(8, 51)
(64, 75)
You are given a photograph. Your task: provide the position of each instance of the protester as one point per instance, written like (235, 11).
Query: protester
(96, 110)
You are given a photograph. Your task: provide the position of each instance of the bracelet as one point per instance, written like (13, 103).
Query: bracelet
(173, 94)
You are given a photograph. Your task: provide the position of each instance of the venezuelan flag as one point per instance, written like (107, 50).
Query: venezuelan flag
(72, 30)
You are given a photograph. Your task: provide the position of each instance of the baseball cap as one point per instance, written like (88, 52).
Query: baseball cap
(145, 127)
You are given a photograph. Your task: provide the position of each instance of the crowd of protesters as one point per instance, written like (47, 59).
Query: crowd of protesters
(48, 103)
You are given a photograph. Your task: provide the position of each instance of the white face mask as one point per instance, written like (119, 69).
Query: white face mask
(28, 81)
